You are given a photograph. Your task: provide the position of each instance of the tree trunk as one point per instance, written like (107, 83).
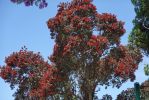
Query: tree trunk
(87, 92)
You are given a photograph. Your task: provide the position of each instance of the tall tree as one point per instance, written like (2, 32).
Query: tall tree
(87, 60)
(140, 33)
(81, 61)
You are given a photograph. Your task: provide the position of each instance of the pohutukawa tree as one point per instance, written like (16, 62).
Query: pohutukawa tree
(81, 60)
(87, 60)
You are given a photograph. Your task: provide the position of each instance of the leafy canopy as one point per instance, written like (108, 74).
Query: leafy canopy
(140, 33)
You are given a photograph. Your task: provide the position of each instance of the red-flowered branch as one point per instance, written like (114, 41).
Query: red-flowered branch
(31, 73)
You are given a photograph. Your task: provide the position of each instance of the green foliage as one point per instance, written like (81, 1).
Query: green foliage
(129, 94)
(140, 33)
(146, 69)
(126, 95)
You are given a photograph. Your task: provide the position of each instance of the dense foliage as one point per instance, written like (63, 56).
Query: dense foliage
(146, 69)
(81, 60)
(140, 33)
(129, 94)
(40, 3)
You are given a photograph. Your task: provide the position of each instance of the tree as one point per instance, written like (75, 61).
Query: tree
(85, 57)
(140, 33)
(40, 3)
(146, 69)
(81, 61)
(129, 94)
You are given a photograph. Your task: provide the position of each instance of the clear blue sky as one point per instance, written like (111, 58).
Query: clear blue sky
(20, 25)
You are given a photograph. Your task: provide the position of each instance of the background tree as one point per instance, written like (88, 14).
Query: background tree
(146, 69)
(84, 60)
(129, 94)
(140, 33)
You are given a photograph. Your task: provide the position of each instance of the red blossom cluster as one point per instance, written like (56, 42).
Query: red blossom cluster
(125, 62)
(122, 61)
(71, 42)
(7, 71)
(72, 18)
(126, 68)
(23, 58)
(100, 43)
(46, 84)
(109, 26)
(28, 69)
(128, 64)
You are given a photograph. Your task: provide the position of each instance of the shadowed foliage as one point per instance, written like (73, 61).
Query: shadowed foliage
(140, 33)
(40, 3)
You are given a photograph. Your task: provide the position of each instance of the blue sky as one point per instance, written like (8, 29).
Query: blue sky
(20, 25)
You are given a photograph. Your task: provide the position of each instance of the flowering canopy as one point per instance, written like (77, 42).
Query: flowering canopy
(84, 60)
(30, 72)
(88, 58)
